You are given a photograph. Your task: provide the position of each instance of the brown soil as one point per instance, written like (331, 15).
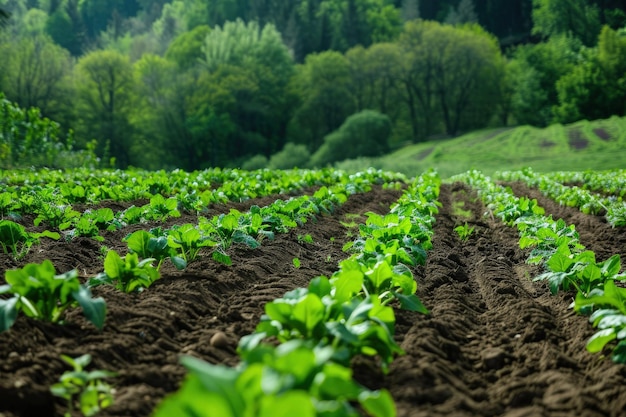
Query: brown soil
(494, 344)
(577, 140)
(602, 133)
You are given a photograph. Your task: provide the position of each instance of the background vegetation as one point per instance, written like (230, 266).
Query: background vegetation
(197, 83)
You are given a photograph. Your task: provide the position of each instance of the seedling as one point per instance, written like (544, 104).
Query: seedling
(84, 391)
(296, 263)
(16, 241)
(128, 274)
(305, 238)
(41, 294)
(464, 231)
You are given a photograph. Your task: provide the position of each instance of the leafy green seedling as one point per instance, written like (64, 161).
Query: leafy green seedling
(41, 294)
(305, 238)
(186, 240)
(148, 245)
(16, 241)
(464, 231)
(87, 389)
(127, 274)
(296, 263)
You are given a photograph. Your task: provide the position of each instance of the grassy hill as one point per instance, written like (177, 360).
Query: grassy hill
(599, 144)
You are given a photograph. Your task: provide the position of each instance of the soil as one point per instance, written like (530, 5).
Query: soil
(494, 344)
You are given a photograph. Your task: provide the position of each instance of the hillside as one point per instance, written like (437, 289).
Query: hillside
(599, 144)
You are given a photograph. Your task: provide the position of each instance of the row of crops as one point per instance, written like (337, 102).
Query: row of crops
(297, 362)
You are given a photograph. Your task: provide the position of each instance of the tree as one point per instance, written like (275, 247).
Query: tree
(451, 75)
(566, 17)
(34, 71)
(104, 83)
(261, 117)
(324, 87)
(534, 72)
(596, 88)
(363, 134)
(464, 13)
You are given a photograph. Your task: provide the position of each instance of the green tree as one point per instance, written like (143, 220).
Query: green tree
(363, 134)
(291, 156)
(450, 72)
(566, 17)
(104, 84)
(534, 72)
(262, 113)
(596, 88)
(186, 50)
(324, 85)
(35, 72)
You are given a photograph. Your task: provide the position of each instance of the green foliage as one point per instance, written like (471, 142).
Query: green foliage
(27, 139)
(566, 17)
(256, 162)
(105, 82)
(363, 134)
(291, 156)
(87, 389)
(127, 274)
(464, 231)
(16, 240)
(42, 294)
(292, 379)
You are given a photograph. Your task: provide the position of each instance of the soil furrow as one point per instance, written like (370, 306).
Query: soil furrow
(495, 343)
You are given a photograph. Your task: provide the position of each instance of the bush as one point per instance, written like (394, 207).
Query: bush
(29, 140)
(256, 162)
(363, 134)
(290, 156)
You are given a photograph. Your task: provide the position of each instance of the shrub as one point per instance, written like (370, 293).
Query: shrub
(363, 134)
(290, 156)
(256, 162)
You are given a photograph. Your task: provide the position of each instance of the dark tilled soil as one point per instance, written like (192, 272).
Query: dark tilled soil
(494, 344)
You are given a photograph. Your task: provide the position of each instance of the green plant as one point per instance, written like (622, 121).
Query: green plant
(464, 231)
(149, 245)
(82, 388)
(127, 274)
(305, 238)
(42, 294)
(296, 263)
(16, 241)
(186, 241)
(161, 208)
(294, 379)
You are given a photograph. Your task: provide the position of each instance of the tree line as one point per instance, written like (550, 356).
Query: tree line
(191, 83)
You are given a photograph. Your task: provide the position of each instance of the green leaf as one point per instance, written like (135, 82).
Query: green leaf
(559, 263)
(347, 283)
(113, 265)
(320, 286)
(378, 403)
(217, 379)
(411, 302)
(611, 266)
(8, 313)
(597, 342)
(379, 275)
(310, 312)
(93, 308)
(289, 404)
(221, 257)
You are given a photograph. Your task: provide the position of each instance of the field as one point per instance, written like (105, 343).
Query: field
(495, 342)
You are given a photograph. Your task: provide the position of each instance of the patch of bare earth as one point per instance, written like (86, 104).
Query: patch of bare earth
(577, 140)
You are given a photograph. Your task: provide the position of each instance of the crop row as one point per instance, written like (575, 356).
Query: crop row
(567, 263)
(572, 196)
(612, 182)
(322, 327)
(180, 243)
(24, 191)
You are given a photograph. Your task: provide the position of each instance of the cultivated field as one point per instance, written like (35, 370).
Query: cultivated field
(494, 342)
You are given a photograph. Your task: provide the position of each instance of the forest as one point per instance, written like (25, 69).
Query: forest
(193, 84)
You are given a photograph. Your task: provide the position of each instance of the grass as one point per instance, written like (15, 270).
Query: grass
(596, 145)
